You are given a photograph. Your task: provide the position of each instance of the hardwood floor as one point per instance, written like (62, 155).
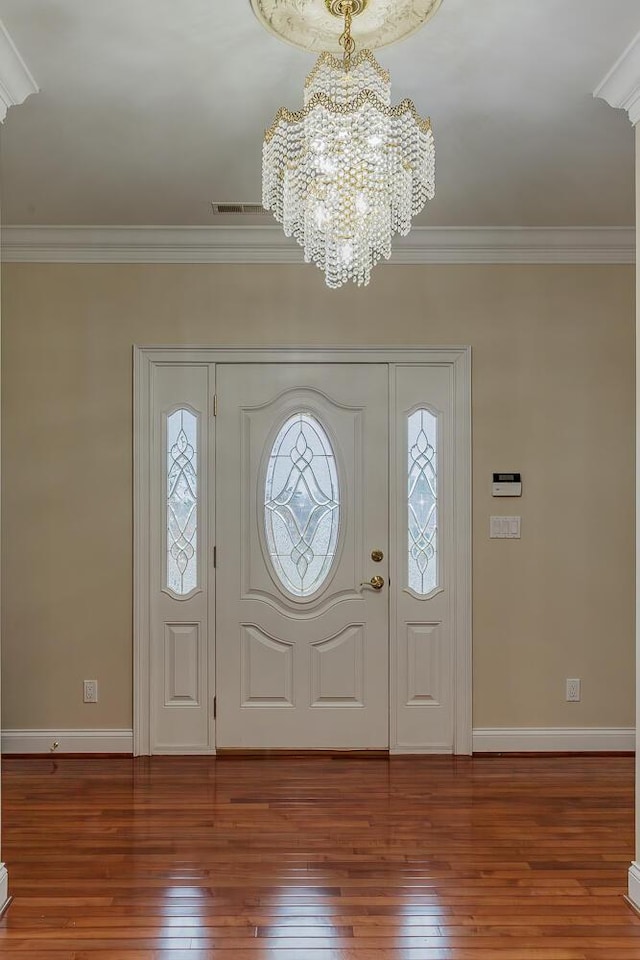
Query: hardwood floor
(319, 859)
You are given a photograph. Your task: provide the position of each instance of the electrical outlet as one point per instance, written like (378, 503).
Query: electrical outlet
(573, 691)
(90, 691)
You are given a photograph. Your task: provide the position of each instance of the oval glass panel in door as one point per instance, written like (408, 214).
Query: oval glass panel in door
(422, 502)
(302, 505)
(182, 502)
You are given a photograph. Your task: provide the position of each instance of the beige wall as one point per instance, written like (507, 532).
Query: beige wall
(553, 396)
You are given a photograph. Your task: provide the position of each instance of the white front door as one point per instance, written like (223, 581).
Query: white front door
(321, 471)
(302, 527)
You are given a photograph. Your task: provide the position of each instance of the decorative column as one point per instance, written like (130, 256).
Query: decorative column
(16, 83)
(621, 89)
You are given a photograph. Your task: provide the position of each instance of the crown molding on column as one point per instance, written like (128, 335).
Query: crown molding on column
(266, 244)
(16, 81)
(621, 86)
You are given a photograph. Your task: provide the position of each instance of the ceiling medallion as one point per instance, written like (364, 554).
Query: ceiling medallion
(339, 7)
(309, 23)
(348, 171)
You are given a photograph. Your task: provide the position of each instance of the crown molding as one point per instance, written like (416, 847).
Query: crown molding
(621, 86)
(267, 244)
(16, 81)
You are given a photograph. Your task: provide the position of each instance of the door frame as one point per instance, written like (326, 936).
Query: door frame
(145, 359)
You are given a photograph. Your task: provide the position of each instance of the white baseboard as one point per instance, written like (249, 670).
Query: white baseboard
(69, 741)
(485, 740)
(4, 888)
(634, 885)
(553, 739)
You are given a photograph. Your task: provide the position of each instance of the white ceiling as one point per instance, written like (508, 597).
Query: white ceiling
(149, 109)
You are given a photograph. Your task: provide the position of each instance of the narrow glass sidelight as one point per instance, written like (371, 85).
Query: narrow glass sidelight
(182, 501)
(302, 505)
(422, 502)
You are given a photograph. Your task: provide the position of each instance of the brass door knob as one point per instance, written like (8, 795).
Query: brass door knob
(377, 556)
(376, 582)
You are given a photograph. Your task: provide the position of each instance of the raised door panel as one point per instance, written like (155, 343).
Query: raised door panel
(182, 664)
(337, 669)
(266, 669)
(423, 655)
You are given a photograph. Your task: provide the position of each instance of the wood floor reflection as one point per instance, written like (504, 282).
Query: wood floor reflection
(319, 859)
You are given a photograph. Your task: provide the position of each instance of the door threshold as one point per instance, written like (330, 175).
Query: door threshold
(231, 753)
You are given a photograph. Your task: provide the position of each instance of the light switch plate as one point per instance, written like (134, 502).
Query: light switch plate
(504, 528)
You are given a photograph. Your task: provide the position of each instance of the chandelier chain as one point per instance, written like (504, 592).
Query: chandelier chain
(347, 42)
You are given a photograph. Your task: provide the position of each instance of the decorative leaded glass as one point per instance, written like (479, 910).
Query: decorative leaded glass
(302, 505)
(422, 502)
(182, 501)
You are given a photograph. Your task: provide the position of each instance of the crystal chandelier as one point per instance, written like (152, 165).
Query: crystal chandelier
(348, 171)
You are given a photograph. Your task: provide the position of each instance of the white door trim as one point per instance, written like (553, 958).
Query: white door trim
(458, 358)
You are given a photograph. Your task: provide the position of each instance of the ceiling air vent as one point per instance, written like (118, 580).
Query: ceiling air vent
(238, 209)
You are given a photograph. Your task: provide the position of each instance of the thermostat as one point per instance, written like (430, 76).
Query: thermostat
(506, 485)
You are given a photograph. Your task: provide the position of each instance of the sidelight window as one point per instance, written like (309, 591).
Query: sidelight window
(422, 513)
(182, 501)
